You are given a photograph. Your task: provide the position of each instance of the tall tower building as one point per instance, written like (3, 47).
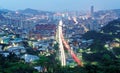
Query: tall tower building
(92, 10)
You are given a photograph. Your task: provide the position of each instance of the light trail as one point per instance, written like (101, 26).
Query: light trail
(75, 20)
(62, 44)
(76, 59)
(61, 47)
(85, 28)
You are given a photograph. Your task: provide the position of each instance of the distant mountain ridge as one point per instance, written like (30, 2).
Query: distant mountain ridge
(33, 11)
(107, 33)
(113, 28)
(115, 12)
(30, 11)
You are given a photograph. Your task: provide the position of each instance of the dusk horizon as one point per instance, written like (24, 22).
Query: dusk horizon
(60, 5)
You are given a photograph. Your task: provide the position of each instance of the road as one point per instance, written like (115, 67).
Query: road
(63, 43)
(61, 47)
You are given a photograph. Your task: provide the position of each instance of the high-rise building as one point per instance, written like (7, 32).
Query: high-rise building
(92, 10)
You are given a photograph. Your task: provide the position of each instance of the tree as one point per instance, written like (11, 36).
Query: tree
(12, 64)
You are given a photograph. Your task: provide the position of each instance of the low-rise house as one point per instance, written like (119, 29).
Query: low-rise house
(16, 42)
(115, 44)
(4, 40)
(39, 45)
(17, 50)
(5, 54)
(29, 58)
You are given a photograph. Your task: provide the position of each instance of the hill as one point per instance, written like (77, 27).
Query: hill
(33, 11)
(107, 36)
(107, 33)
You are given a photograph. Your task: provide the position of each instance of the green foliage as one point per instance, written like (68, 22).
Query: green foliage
(109, 32)
(12, 64)
(113, 27)
(97, 47)
(106, 57)
(107, 66)
(117, 50)
(97, 36)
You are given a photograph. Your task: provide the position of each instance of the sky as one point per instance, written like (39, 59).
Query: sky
(60, 5)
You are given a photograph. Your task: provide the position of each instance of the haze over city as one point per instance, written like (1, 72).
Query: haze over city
(59, 5)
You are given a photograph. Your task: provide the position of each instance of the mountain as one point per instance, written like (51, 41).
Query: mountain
(33, 11)
(5, 11)
(1, 16)
(113, 13)
(29, 11)
(107, 36)
(112, 28)
(107, 33)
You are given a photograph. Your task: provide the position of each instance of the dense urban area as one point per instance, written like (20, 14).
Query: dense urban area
(34, 41)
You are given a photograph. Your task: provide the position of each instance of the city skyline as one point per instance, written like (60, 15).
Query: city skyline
(61, 5)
